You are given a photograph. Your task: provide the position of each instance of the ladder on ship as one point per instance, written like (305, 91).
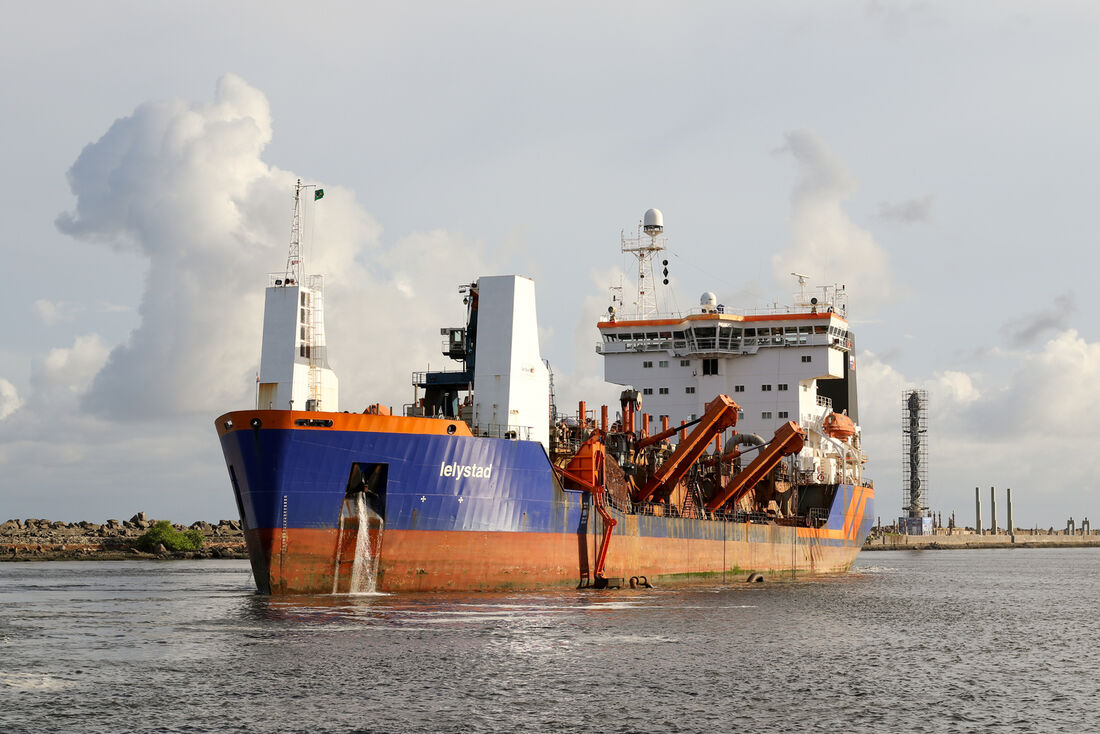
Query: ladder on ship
(313, 320)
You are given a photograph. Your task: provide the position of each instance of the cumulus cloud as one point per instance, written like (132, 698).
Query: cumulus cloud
(184, 185)
(911, 211)
(54, 312)
(71, 369)
(1002, 426)
(1031, 328)
(9, 399)
(825, 243)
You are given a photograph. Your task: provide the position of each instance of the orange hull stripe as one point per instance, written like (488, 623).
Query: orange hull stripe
(284, 419)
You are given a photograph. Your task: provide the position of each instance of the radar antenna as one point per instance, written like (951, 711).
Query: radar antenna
(651, 226)
(802, 278)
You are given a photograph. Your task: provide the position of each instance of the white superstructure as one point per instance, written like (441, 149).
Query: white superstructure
(294, 370)
(511, 382)
(793, 363)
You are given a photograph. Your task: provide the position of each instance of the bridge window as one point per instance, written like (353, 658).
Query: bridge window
(739, 388)
(710, 366)
(689, 390)
(766, 415)
(647, 364)
(807, 358)
(662, 391)
(685, 362)
(783, 414)
(765, 388)
(781, 386)
(663, 363)
(647, 391)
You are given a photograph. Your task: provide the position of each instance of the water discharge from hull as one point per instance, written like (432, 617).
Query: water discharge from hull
(359, 546)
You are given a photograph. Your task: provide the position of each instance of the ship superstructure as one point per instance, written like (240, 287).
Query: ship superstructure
(481, 484)
(780, 364)
(294, 369)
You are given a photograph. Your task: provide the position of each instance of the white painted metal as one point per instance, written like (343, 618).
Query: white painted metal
(511, 382)
(293, 339)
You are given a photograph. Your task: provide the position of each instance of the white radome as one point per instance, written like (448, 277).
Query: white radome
(708, 300)
(654, 221)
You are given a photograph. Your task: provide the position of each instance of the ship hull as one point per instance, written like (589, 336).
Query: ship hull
(447, 528)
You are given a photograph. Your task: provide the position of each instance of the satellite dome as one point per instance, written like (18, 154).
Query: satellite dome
(708, 301)
(654, 222)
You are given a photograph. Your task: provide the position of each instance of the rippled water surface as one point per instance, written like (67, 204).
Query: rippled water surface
(1003, 640)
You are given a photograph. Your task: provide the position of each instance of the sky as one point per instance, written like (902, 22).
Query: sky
(939, 159)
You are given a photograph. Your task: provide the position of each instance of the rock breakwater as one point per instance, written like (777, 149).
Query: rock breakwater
(35, 539)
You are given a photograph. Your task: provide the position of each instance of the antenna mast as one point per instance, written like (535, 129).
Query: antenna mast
(652, 226)
(294, 257)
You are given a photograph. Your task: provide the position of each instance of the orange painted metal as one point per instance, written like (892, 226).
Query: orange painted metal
(582, 415)
(645, 425)
(789, 439)
(721, 414)
(840, 426)
(586, 469)
(722, 317)
(241, 420)
(603, 418)
(421, 560)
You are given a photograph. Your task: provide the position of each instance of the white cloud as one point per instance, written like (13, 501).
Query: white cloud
(70, 369)
(1019, 423)
(185, 186)
(825, 243)
(9, 399)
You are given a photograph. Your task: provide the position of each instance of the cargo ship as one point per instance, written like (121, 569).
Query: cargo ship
(734, 450)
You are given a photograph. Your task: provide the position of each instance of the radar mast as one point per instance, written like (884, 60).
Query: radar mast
(644, 246)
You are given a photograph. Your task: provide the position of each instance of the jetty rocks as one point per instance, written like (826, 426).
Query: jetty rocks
(35, 539)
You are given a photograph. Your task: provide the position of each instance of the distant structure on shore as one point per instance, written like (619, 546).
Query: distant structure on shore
(916, 518)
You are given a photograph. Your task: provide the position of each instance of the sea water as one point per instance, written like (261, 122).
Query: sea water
(359, 517)
(934, 641)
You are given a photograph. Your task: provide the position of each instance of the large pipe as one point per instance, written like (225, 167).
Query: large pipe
(603, 418)
(978, 510)
(992, 511)
(582, 413)
(645, 424)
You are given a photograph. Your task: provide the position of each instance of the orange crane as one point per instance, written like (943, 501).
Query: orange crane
(586, 471)
(721, 414)
(789, 439)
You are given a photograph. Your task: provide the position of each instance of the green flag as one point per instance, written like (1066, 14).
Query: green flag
(318, 194)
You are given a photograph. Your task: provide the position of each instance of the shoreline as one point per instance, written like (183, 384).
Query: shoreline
(979, 542)
(34, 539)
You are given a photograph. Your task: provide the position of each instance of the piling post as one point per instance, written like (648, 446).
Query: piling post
(978, 510)
(992, 511)
(1008, 501)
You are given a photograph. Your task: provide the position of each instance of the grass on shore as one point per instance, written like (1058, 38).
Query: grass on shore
(162, 533)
